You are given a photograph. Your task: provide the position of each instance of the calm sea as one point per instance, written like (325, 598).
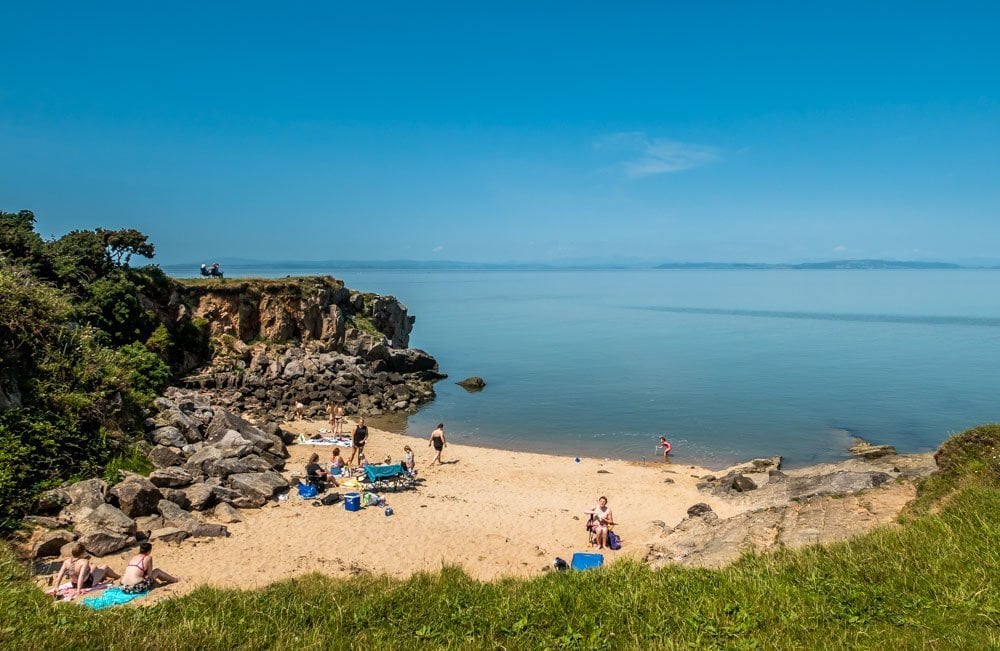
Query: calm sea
(730, 364)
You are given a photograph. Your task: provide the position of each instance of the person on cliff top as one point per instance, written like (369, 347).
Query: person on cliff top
(359, 438)
(437, 440)
(665, 444)
(81, 574)
(140, 575)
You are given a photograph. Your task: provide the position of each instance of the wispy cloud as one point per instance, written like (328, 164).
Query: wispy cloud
(437, 249)
(652, 156)
(840, 248)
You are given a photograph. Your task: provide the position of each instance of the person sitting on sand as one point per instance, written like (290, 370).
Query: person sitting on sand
(359, 439)
(437, 440)
(336, 463)
(666, 448)
(315, 474)
(604, 521)
(409, 460)
(216, 271)
(140, 575)
(81, 574)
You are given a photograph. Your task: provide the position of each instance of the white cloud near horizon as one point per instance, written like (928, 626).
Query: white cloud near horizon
(437, 249)
(840, 248)
(658, 155)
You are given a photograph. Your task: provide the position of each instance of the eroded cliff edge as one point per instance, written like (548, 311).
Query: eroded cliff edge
(308, 340)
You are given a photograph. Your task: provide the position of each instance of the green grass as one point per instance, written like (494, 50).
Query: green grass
(934, 582)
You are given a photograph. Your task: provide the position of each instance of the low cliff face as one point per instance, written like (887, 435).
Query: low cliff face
(297, 310)
(310, 341)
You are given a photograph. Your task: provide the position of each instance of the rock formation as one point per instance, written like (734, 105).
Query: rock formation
(310, 341)
(207, 460)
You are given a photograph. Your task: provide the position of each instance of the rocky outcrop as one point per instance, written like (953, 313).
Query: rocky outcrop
(823, 503)
(208, 458)
(308, 341)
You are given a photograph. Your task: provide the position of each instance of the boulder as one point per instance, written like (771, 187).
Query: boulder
(51, 502)
(203, 461)
(106, 518)
(473, 383)
(136, 496)
(171, 478)
(102, 543)
(210, 530)
(51, 542)
(699, 509)
(866, 450)
(225, 513)
(89, 493)
(169, 436)
(410, 360)
(168, 535)
(164, 457)
(743, 483)
(200, 496)
(185, 424)
(47, 522)
(149, 523)
(177, 496)
(258, 484)
(175, 516)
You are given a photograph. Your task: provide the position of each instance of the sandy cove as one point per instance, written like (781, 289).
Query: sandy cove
(494, 512)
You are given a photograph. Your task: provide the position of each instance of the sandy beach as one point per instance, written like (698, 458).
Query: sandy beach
(496, 513)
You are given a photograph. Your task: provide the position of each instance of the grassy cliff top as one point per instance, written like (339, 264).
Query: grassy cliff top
(244, 285)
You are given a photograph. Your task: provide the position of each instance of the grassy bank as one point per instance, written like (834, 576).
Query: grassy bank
(933, 582)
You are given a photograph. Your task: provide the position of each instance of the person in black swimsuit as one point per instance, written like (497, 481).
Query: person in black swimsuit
(359, 439)
(140, 575)
(437, 440)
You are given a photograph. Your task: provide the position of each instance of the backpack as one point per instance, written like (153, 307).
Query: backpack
(331, 499)
(614, 540)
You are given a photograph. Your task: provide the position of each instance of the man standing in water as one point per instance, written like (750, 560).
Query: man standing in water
(437, 440)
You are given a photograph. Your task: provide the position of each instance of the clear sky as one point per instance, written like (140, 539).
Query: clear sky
(542, 131)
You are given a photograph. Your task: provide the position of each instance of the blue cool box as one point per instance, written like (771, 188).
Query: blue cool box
(582, 561)
(352, 501)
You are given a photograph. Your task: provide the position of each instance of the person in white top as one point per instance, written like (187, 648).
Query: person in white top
(603, 519)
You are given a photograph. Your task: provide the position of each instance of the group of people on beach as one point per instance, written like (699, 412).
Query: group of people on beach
(338, 467)
(139, 575)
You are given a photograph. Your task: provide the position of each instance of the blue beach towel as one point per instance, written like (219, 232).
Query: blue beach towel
(583, 561)
(111, 597)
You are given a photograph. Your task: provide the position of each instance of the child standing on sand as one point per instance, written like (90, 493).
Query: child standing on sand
(666, 448)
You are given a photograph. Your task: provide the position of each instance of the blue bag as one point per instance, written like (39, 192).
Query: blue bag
(307, 491)
(614, 540)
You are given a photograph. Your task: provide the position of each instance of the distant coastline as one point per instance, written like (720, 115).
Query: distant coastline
(237, 264)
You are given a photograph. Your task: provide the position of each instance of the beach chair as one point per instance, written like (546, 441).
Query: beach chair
(591, 533)
(386, 476)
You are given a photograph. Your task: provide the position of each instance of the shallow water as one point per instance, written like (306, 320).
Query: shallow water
(731, 364)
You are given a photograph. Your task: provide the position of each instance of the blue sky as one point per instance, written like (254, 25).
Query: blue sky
(527, 132)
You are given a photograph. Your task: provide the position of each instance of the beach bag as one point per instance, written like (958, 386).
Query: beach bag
(614, 540)
(331, 499)
(307, 491)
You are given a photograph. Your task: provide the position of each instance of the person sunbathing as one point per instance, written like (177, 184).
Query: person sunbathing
(81, 574)
(140, 575)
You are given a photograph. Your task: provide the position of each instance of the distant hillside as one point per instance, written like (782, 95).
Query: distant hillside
(834, 264)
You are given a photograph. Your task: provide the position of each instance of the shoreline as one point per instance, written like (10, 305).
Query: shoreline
(494, 513)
